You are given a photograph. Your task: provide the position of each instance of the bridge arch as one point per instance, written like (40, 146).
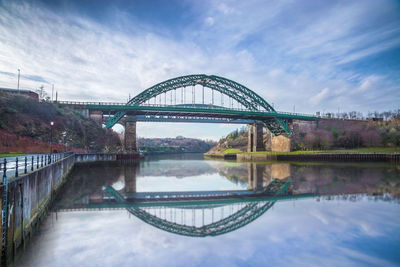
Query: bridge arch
(243, 95)
(236, 91)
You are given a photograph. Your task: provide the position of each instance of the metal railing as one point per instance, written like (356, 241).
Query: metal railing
(82, 103)
(330, 117)
(15, 166)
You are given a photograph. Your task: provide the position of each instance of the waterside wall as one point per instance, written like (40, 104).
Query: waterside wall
(320, 157)
(28, 199)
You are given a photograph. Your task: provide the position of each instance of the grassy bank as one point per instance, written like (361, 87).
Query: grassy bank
(10, 155)
(381, 150)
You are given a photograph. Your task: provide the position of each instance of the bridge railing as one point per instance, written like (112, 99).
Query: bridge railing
(79, 103)
(325, 116)
(14, 166)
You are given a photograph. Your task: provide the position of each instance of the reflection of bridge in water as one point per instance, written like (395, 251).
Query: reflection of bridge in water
(193, 213)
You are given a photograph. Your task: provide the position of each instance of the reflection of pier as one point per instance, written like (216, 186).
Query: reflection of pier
(261, 175)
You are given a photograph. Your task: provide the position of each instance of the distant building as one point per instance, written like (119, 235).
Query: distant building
(27, 93)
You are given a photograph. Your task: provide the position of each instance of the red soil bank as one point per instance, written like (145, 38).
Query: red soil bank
(10, 142)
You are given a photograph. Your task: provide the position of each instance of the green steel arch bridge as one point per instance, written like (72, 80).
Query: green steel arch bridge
(198, 98)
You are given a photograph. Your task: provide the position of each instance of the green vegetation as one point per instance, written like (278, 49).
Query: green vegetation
(234, 142)
(10, 155)
(232, 151)
(372, 150)
(337, 151)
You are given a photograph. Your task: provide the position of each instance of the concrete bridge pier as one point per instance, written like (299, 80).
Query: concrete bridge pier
(130, 134)
(97, 116)
(258, 141)
(255, 138)
(280, 143)
(84, 112)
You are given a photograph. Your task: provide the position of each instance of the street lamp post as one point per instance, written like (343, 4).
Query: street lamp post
(51, 136)
(64, 134)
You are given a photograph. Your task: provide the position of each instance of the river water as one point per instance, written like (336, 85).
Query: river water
(330, 214)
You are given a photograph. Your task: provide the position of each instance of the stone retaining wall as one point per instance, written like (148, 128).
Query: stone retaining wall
(29, 197)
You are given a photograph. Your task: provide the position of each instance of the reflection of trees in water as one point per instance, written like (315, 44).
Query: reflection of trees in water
(244, 173)
(237, 174)
(88, 179)
(324, 179)
(346, 179)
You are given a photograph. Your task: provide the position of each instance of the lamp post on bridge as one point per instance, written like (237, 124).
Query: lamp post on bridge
(51, 136)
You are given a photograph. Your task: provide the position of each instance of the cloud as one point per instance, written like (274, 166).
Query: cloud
(335, 236)
(209, 21)
(286, 61)
(322, 95)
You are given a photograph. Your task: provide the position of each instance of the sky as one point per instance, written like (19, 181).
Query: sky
(306, 56)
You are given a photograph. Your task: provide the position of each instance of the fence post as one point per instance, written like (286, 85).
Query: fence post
(32, 164)
(26, 165)
(37, 162)
(16, 167)
(5, 168)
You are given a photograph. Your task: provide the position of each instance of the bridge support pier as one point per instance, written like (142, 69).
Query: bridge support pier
(130, 134)
(280, 143)
(255, 139)
(84, 112)
(97, 116)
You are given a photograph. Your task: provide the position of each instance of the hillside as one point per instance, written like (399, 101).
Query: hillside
(327, 135)
(235, 140)
(25, 128)
(174, 145)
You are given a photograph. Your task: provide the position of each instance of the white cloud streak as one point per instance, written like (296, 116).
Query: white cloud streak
(287, 53)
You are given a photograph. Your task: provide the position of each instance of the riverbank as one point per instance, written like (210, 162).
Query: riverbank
(362, 154)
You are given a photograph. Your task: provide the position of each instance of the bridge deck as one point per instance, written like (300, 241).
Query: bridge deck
(189, 110)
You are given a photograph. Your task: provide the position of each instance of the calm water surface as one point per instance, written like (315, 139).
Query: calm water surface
(334, 215)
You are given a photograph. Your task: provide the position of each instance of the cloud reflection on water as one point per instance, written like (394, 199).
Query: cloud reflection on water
(301, 233)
